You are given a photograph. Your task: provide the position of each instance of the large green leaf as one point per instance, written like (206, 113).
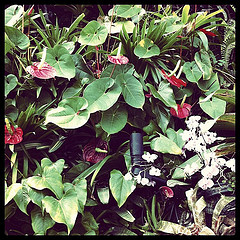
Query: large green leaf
(175, 136)
(209, 86)
(192, 71)
(64, 210)
(226, 94)
(132, 90)
(164, 94)
(165, 145)
(114, 119)
(13, 14)
(50, 179)
(93, 34)
(89, 223)
(124, 68)
(80, 187)
(11, 191)
(101, 94)
(126, 11)
(214, 107)
(41, 222)
(10, 83)
(120, 187)
(71, 113)
(146, 49)
(204, 63)
(59, 58)
(18, 38)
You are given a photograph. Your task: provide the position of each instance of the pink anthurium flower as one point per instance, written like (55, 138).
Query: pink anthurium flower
(183, 111)
(42, 69)
(173, 80)
(95, 150)
(167, 191)
(118, 59)
(45, 72)
(209, 33)
(12, 135)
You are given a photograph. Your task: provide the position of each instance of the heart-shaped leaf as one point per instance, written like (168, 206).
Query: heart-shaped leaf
(41, 223)
(164, 94)
(50, 179)
(192, 71)
(13, 14)
(132, 90)
(120, 187)
(64, 210)
(10, 83)
(204, 63)
(101, 94)
(71, 113)
(11, 191)
(114, 119)
(59, 58)
(93, 34)
(214, 108)
(126, 11)
(146, 49)
(165, 145)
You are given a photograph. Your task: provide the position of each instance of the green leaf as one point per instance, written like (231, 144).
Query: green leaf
(59, 58)
(165, 145)
(120, 188)
(51, 179)
(10, 83)
(210, 85)
(126, 11)
(164, 93)
(80, 187)
(114, 119)
(204, 39)
(125, 68)
(103, 194)
(64, 210)
(117, 26)
(185, 15)
(175, 136)
(11, 191)
(204, 63)
(71, 113)
(101, 94)
(18, 38)
(132, 90)
(13, 14)
(125, 214)
(146, 49)
(214, 108)
(93, 34)
(226, 95)
(88, 221)
(192, 71)
(41, 222)
(173, 228)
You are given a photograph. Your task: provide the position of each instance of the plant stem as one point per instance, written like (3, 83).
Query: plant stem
(109, 35)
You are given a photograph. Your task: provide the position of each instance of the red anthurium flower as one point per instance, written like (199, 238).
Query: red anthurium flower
(45, 72)
(118, 59)
(173, 80)
(209, 33)
(183, 111)
(13, 135)
(95, 150)
(167, 191)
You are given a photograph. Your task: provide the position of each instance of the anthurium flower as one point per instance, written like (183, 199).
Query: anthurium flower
(183, 111)
(209, 33)
(167, 191)
(118, 59)
(95, 150)
(173, 80)
(13, 135)
(45, 72)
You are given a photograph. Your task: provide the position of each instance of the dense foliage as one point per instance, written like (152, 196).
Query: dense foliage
(78, 84)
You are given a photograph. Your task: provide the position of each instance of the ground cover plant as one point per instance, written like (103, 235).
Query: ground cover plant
(82, 86)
